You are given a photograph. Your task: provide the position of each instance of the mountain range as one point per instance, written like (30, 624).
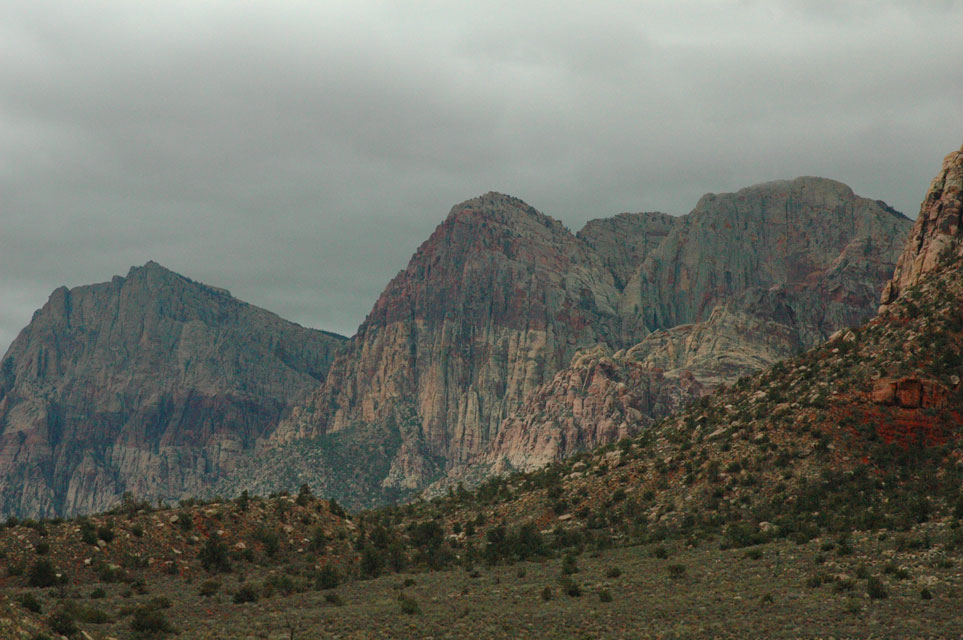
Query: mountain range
(506, 343)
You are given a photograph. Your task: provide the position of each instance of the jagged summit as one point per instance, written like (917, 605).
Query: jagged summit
(501, 209)
(150, 383)
(938, 232)
(164, 386)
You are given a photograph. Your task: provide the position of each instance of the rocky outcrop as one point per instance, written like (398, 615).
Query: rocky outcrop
(600, 398)
(465, 343)
(938, 232)
(910, 393)
(810, 236)
(496, 301)
(623, 242)
(151, 383)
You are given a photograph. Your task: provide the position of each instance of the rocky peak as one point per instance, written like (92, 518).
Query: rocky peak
(150, 383)
(938, 231)
(624, 241)
(494, 207)
(787, 233)
(490, 306)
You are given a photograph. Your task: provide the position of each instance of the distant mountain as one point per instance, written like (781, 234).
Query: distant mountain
(454, 356)
(744, 281)
(151, 384)
(861, 435)
(507, 342)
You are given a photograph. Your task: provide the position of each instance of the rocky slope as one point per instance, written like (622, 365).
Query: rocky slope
(810, 259)
(501, 297)
(490, 306)
(603, 397)
(151, 383)
(936, 234)
(863, 433)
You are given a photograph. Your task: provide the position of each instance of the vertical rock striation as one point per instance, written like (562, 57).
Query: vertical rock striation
(938, 231)
(151, 383)
(490, 306)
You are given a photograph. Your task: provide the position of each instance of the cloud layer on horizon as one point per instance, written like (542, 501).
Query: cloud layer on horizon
(298, 153)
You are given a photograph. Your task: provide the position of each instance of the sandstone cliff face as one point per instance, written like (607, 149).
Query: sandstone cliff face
(465, 343)
(161, 386)
(805, 235)
(150, 383)
(600, 398)
(938, 232)
(493, 304)
(744, 281)
(623, 242)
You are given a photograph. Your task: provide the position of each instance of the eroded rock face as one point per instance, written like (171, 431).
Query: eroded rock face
(804, 235)
(623, 242)
(937, 233)
(151, 383)
(467, 356)
(600, 398)
(494, 303)
(470, 337)
(910, 393)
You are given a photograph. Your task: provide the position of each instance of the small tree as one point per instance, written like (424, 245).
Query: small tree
(42, 574)
(213, 556)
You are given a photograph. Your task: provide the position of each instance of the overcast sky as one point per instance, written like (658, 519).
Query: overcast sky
(297, 153)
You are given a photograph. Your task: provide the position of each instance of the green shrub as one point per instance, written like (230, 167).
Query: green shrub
(333, 598)
(42, 548)
(213, 556)
(245, 593)
(876, 589)
(605, 596)
(92, 615)
(98, 594)
(209, 587)
(270, 540)
(371, 562)
(42, 574)
(318, 539)
(327, 578)
(106, 574)
(547, 593)
(62, 622)
(568, 565)
(30, 602)
(613, 572)
(88, 533)
(106, 533)
(148, 620)
(676, 571)
(570, 587)
(409, 605)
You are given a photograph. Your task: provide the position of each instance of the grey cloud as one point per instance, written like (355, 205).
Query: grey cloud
(297, 153)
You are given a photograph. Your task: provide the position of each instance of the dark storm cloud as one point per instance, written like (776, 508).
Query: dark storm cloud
(298, 152)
